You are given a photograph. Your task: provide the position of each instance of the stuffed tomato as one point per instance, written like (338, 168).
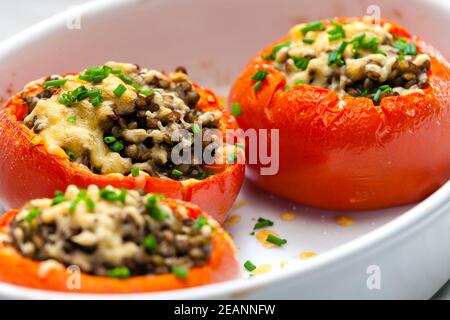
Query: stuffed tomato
(111, 240)
(115, 125)
(363, 112)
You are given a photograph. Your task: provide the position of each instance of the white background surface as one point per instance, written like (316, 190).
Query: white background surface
(28, 12)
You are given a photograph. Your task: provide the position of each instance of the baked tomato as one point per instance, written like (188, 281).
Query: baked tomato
(362, 111)
(116, 125)
(113, 241)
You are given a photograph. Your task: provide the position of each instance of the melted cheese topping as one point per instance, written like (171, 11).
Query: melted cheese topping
(320, 73)
(86, 133)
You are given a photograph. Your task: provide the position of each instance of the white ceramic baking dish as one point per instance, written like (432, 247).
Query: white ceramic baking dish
(405, 248)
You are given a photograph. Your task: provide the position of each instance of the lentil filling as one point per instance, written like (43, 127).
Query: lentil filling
(358, 58)
(111, 232)
(119, 118)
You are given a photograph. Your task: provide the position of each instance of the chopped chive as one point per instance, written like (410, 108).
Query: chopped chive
(119, 90)
(381, 52)
(203, 175)
(260, 75)
(32, 214)
(108, 195)
(146, 92)
(276, 240)
(153, 209)
(313, 26)
(249, 265)
(59, 198)
(358, 40)
(236, 109)
(180, 272)
(120, 273)
(72, 119)
(73, 206)
(404, 48)
(96, 101)
(262, 223)
(195, 129)
(177, 172)
(301, 63)
(71, 154)
(135, 172)
(122, 197)
(95, 74)
(89, 203)
(275, 50)
(125, 78)
(382, 89)
(54, 83)
(296, 83)
(337, 33)
(150, 243)
(335, 57)
(308, 41)
(110, 139)
(116, 146)
(371, 44)
(365, 93)
(257, 86)
(200, 222)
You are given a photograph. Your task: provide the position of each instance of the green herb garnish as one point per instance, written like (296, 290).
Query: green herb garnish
(313, 26)
(200, 222)
(71, 154)
(308, 41)
(120, 273)
(96, 74)
(382, 89)
(152, 207)
(276, 240)
(32, 214)
(177, 173)
(146, 92)
(335, 57)
(236, 109)
(262, 223)
(59, 198)
(180, 272)
(72, 119)
(116, 146)
(275, 50)
(301, 63)
(249, 265)
(135, 172)
(337, 32)
(119, 90)
(260, 75)
(54, 83)
(150, 243)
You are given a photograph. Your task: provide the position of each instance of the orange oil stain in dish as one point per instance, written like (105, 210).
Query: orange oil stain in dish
(264, 268)
(239, 204)
(344, 221)
(232, 220)
(307, 255)
(262, 235)
(288, 216)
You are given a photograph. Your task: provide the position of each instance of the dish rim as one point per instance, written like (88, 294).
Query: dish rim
(414, 219)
